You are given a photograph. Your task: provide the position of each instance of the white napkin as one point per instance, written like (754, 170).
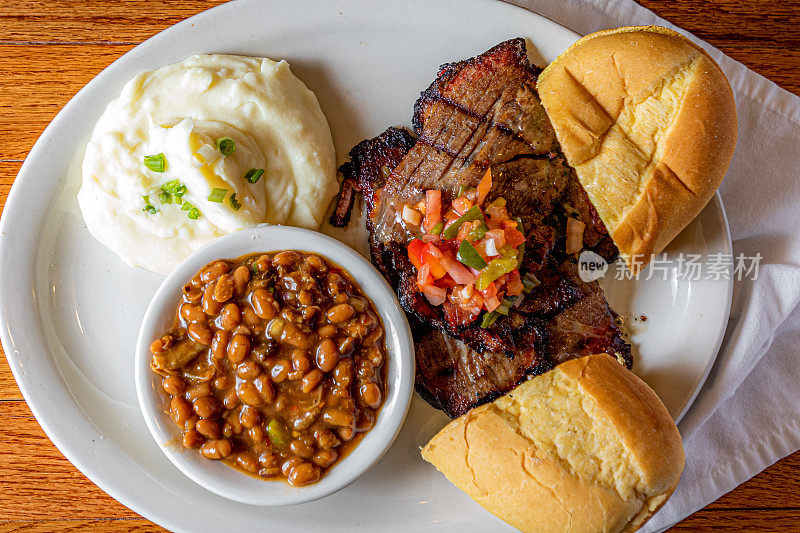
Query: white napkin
(747, 415)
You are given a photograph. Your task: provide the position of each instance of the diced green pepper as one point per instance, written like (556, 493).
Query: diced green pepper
(489, 319)
(521, 247)
(508, 251)
(473, 213)
(478, 232)
(277, 434)
(495, 269)
(468, 255)
(498, 202)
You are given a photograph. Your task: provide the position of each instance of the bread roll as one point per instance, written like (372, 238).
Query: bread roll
(648, 121)
(587, 447)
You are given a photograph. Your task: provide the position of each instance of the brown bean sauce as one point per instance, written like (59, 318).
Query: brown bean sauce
(276, 364)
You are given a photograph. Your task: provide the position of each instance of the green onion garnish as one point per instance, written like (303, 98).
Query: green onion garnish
(187, 206)
(156, 163)
(217, 195)
(254, 174)
(529, 282)
(489, 319)
(505, 306)
(235, 204)
(194, 213)
(174, 188)
(165, 197)
(148, 207)
(226, 145)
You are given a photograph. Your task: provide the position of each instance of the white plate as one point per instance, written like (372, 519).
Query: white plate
(71, 309)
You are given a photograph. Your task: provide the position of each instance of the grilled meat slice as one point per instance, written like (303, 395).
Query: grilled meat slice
(454, 378)
(484, 113)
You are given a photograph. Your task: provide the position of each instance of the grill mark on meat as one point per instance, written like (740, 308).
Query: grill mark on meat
(481, 113)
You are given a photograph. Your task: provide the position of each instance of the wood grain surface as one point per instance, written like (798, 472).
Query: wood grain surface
(39, 489)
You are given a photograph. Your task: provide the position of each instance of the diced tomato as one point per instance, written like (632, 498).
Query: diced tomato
(476, 302)
(461, 205)
(498, 236)
(490, 304)
(431, 256)
(446, 282)
(514, 237)
(484, 246)
(433, 209)
(514, 283)
(415, 252)
(464, 230)
(457, 271)
(508, 223)
(484, 186)
(424, 275)
(498, 212)
(435, 295)
(466, 292)
(431, 250)
(490, 299)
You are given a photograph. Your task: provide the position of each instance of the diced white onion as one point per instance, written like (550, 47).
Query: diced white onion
(208, 152)
(491, 248)
(412, 216)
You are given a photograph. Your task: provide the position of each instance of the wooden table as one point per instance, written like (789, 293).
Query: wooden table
(50, 49)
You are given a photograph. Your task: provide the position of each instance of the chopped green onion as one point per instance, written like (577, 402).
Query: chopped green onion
(175, 188)
(148, 207)
(235, 204)
(254, 174)
(193, 212)
(469, 256)
(217, 195)
(473, 213)
(521, 247)
(529, 282)
(156, 163)
(226, 146)
(489, 319)
(437, 229)
(165, 197)
(505, 305)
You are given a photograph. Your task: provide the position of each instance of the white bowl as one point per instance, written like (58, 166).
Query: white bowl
(221, 478)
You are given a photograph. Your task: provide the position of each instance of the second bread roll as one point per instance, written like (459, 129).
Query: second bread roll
(585, 447)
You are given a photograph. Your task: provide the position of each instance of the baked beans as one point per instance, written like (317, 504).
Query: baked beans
(275, 365)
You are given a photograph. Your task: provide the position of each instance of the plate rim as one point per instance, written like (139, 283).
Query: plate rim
(27, 277)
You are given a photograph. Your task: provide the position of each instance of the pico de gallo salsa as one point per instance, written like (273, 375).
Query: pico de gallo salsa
(470, 253)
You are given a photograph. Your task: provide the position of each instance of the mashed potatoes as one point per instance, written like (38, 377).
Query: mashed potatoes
(177, 159)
